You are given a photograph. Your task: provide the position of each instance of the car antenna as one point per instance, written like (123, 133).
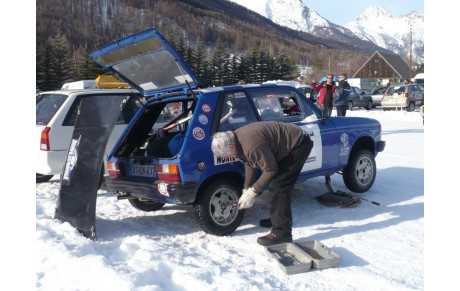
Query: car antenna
(188, 84)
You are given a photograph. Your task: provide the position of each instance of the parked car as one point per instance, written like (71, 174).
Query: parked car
(406, 97)
(377, 95)
(55, 118)
(359, 99)
(309, 93)
(365, 84)
(164, 155)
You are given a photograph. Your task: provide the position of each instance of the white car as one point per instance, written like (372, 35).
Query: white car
(56, 113)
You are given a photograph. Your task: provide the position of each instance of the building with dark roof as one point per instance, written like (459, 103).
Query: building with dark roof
(384, 66)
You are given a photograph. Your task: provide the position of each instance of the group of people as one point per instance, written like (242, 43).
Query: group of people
(331, 95)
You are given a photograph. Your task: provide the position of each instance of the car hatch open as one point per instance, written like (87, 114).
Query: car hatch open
(148, 62)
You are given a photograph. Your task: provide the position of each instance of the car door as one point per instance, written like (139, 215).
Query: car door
(284, 104)
(358, 100)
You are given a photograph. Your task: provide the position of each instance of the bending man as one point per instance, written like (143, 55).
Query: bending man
(280, 151)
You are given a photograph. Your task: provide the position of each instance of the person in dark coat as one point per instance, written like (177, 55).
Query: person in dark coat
(279, 150)
(342, 95)
(326, 94)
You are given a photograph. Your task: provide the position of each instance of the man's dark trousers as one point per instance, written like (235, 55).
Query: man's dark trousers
(341, 110)
(281, 186)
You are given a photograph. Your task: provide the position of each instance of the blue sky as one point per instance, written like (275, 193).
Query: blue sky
(344, 11)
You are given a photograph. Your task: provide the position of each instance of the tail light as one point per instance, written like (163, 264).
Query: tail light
(406, 95)
(169, 173)
(116, 169)
(45, 139)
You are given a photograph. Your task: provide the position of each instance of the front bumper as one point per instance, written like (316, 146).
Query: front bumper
(169, 192)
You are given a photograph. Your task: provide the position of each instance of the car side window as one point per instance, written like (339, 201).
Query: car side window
(357, 90)
(236, 111)
(125, 116)
(279, 104)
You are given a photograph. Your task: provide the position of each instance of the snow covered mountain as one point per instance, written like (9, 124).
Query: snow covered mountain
(379, 25)
(290, 13)
(376, 25)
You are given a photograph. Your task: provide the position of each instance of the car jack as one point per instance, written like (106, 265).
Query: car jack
(339, 198)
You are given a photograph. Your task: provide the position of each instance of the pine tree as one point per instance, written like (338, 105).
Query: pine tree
(44, 70)
(62, 66)
(198, 59)
(217, 63)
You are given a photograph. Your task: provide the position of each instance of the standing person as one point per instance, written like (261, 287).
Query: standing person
(326, 94)
(389, 83)
(280, 151)
(342, 95)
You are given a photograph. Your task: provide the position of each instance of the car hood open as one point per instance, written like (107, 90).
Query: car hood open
(148, 62)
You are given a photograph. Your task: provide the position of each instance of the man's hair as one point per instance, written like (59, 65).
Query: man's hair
(343, 75)
(221, 142)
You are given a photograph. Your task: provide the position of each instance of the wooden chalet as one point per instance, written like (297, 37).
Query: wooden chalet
(384, 66)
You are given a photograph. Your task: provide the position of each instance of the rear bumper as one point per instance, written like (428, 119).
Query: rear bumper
(170, 192)
(50, 162)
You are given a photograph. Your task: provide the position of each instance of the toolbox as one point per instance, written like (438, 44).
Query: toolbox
(299, 257)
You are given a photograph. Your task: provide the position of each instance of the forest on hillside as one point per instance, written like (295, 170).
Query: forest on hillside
(208, 39)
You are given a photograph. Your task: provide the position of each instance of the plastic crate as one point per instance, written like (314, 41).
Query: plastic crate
(322, 256)
(291, 259)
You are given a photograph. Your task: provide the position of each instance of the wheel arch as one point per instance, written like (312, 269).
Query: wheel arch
(228, 175)
(363, 142)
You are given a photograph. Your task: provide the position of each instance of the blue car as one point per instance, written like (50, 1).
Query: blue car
(164, 155)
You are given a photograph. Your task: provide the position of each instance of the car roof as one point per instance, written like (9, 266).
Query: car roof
(90, 91)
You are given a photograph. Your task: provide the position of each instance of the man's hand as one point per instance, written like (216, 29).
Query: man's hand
(247, 199)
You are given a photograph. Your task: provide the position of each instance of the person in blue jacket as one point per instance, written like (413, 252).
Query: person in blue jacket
(342, 95)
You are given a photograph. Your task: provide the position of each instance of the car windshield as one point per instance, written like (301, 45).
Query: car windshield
(47, 106)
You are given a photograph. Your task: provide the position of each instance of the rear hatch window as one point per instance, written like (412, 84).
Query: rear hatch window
(47, 106)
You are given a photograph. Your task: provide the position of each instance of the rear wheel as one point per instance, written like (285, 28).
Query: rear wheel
(146, 204)
(216, 208)
(359, 174)
(411, 107)
(39, 178)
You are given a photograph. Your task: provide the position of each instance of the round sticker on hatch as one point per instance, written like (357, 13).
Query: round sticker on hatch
(198, 133)
(203, 119)
(206, 108)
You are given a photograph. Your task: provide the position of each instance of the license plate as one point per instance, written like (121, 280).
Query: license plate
(142, 170)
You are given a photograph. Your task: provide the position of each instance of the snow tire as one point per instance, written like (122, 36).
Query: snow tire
(215, 210)
(146, 205)
(359, 175)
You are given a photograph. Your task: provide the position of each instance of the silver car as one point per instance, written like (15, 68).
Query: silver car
(406, 97)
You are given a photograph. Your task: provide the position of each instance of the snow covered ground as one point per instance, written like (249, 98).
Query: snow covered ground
(382, 247)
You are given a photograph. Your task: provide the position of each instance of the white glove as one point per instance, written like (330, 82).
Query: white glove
(247, 199)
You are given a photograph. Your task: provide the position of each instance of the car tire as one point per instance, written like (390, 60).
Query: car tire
(350, 105)
(369, 105)
(39, 178)
(411, 107)
(146, 204)
(359, 175)
(215, 210)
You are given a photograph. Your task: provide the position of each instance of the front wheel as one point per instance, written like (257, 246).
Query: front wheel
(350, 105)
(359, 174)
(216, 208)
